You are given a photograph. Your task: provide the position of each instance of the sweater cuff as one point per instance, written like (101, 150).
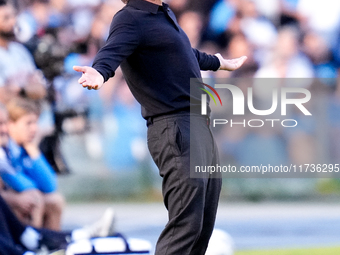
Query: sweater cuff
(102, 72)
(216, 64)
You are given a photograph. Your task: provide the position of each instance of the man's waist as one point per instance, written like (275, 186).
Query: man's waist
(175, 115)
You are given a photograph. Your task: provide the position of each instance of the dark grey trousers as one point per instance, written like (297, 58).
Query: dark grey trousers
(191, 202)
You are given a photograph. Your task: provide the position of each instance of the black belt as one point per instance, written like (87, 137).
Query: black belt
(151, 120)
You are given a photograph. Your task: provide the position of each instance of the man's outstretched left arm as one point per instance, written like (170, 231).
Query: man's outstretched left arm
(217, 62)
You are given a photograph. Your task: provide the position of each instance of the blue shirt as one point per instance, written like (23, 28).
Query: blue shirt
(156, 58)
(27, 173)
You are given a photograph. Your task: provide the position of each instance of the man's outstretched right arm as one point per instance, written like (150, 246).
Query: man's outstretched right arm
(123, 39)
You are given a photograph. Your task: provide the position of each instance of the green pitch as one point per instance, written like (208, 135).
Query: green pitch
(315, 251)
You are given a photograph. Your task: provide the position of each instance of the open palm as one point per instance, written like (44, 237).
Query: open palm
(230, 64)
(91, 78)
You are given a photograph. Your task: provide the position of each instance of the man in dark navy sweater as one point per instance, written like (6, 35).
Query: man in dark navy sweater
(157, 62)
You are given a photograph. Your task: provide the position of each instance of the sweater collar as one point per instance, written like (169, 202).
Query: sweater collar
(145, 5)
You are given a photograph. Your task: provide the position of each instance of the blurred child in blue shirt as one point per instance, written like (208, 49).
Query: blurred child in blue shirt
(32, 177)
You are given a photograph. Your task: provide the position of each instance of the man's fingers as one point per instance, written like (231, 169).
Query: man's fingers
(219, 56)
(90, 79)
(241, 60)
(230, 64)
(238, 62)
(82, 80)
(234, 64)
(89, 87)
(80, 69)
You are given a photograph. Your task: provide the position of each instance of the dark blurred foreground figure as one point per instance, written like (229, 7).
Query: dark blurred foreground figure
(158, 61)
(18, 239)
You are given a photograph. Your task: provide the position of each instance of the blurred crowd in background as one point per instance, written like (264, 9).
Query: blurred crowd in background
(282, 39)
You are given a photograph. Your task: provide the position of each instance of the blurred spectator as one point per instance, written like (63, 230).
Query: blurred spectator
(5, 166)
(229, 17)
(83, 3)
(17, 68)
(3, 127)
(253, 24)
(286, 60)
(82, 15)
(240, 46)
(33, 181)
(102, 20)
(269, 9)
(202, 7)
(316, 48)
(221, 17)
(192, 24)
(289, 14)
(322, 17)
(35, 18)
(21, 202)
(178, 6)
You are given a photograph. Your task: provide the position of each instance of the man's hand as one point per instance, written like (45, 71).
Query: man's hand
(91, 78)
(230, 64)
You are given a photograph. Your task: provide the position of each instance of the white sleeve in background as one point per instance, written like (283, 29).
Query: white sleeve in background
(30, 238)
(5, 166)
(29, 253)
(16, 64)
